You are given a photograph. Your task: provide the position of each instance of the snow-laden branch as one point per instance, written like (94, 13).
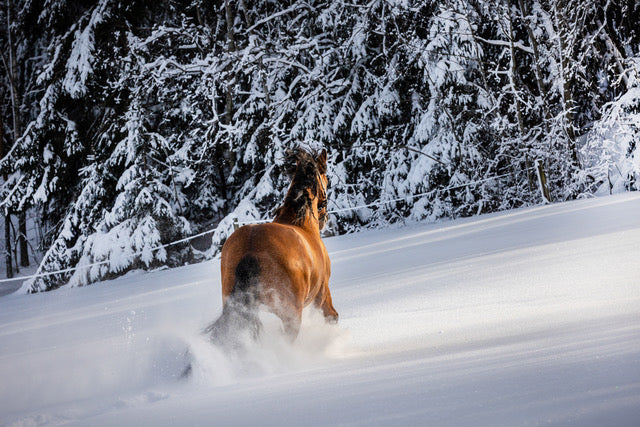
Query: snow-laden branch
(302, 5)
(516, 44)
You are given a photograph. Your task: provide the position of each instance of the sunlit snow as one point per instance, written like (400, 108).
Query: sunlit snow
(519, 318)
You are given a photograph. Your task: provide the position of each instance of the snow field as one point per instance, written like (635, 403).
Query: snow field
(519, 318)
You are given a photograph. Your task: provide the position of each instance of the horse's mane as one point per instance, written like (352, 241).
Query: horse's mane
(303, 169)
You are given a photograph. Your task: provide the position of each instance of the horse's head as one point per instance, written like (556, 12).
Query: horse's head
(308, 191)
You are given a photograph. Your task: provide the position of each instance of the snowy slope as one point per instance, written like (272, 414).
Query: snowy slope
(519, 318)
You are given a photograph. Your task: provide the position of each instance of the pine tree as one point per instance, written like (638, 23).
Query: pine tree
(147, 122)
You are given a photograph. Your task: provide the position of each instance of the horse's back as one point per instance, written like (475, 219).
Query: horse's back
(270, 239)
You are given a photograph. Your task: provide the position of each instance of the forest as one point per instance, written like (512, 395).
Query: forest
(128, 126)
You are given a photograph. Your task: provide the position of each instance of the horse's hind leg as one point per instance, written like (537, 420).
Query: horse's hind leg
(279, 294)
(291, 318)
(291, 323)
(288, 312)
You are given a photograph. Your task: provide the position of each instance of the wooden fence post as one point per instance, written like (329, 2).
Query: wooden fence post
(542, 182)
(236, 225)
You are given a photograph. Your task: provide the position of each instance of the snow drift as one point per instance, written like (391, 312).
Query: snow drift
(518, 318)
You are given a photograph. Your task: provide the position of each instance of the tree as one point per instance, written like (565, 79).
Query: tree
(611, 150)
(146, 122)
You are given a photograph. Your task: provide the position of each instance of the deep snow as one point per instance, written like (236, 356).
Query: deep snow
(519, 318)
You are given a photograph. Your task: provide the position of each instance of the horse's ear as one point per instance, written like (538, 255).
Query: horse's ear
(321, 161)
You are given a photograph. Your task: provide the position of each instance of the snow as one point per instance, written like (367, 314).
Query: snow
(79, 64)
(519, 318)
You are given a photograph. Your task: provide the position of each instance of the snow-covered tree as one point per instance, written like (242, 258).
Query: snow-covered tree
(611, 150)
(151, 121)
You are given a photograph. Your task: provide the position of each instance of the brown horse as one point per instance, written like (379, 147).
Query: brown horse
(284, 264)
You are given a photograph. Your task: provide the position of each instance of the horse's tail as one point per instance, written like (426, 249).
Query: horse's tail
(240, 311)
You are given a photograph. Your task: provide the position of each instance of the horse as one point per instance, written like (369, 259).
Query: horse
(284, 264)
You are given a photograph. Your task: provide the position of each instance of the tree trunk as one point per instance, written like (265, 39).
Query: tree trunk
(232, 48)
(13, 76)
(542, 89)
(17, 127)
(22, 240)
(7, 218)
(231, 78)
(562, 27)
(512, 78)
(612, 45)
(263, 72)
(479, 59)
(7, 246)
